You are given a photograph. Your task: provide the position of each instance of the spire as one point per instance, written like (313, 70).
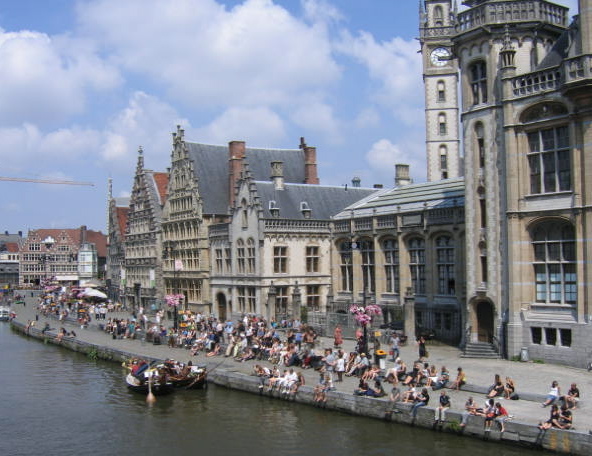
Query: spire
(140, 158)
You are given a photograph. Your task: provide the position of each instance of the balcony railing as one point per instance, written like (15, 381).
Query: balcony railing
(538, 82)
(512, 11)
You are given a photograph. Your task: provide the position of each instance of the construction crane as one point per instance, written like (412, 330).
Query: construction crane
(45, 181)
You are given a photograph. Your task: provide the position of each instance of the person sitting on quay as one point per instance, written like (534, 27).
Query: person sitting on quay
(509, 388)
(565, 417)
(320, 391)
(443, 379)
(497, 389)
(412, 377)
(421, 400)
(490, 413)
(553, 420)
(461, 379)
(470, 410)
(297, 384)
(553, 394)
(572, 397)
(501, 416)
(440, 411)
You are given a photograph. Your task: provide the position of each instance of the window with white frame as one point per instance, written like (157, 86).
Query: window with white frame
(555, 263)
(549, 160)
(240, 256)
(250, 256)
(478, 81)
(313, 297)
(345, 257)
(367, 253)
(312, 258)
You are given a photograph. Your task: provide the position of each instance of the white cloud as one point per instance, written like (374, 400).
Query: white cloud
(316, 116)
(321, 11)
(259, 127)
(45, 80)
(253, 54)
(394, 65)
(384, 155)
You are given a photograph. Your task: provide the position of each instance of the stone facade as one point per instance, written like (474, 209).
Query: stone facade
(403, 246)
(525, 102)
(142, 280)
(118, 209)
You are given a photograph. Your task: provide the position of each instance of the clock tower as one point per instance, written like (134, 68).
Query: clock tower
(440, 75)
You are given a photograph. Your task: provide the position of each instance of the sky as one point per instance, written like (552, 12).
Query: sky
(84, 84)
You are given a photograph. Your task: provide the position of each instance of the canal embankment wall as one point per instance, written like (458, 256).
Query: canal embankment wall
(516, 432)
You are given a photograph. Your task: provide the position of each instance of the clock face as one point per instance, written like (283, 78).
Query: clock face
(440, 56)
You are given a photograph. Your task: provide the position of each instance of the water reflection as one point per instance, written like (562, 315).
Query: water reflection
(60, 403)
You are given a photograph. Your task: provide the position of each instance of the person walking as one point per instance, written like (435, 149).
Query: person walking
(338, 337)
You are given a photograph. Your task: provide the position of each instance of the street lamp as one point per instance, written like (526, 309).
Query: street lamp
(45, 258)
(168, 253)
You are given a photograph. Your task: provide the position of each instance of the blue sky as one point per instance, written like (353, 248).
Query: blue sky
(84, 84)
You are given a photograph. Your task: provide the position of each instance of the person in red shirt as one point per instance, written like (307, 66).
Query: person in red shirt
(501, 416)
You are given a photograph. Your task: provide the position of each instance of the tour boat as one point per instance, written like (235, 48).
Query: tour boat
(4, 313)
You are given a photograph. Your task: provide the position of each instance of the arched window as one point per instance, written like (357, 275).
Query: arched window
(438, 16)
(367, 251)
(555, 263)
(244, 214)
(345, 258)
(442, 123)
(390, 249)
(478, 81)
(445, 265)
(549, 160)
(416, 248)
(441, 91)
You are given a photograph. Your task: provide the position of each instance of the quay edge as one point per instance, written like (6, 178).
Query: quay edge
(517, 433)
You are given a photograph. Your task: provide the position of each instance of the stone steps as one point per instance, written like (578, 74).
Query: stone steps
(480, 350)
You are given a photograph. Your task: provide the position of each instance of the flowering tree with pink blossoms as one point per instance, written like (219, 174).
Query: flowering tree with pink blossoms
(364, 315)
(173, 300)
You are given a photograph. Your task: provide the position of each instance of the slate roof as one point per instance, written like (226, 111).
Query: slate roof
(323, 201)
(409, 198)
(211, 170)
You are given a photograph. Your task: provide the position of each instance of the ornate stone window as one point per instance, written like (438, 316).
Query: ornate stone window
(240, 256)
(416, 248)
(312, 258)
(280, 259)
(390, 249)
(313, 297)
(250, 256)
(345, 258)
(549, 160)
(478, 81)
(445, 265)
(367, 253)
(555, 263)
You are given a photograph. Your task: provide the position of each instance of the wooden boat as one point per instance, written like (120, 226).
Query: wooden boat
(138, 385)
(196, 379)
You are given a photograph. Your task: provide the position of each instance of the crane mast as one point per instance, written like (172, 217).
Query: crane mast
(45, 181)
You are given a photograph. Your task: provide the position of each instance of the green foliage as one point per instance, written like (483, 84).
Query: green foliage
(538, 361)
(304, 314)
(93, 354)
(453, 426)
(515, 358)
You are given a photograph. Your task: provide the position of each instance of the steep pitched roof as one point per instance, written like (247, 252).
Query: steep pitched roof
(95, 237)
(323, 201)
(211, 170)
(121, 213)
(161, 181)
(410, 198)
(11, 247)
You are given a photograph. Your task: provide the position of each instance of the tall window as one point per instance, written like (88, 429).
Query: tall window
(313, 297)
(281, 300)
(367, 251)
(478, 81)
(251, 299)
(438, 16)
(441, 91)
(445, 265)
(244, 214)
(442, 123)
(555, 263)
(549, 160)
(416, 247)
(390, 248)
(444, 161)
(242, 299)
(228, 259)
(219, 261)
(280, 259)
(480, 135)
(240, 256)
(345, 257)
(312, 258)
(250, 256)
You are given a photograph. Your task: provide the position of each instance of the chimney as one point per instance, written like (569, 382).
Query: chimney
(377, 186)
(83, 234)
(585, 13)
(356, 181)
(402, 175)
(277, 174)
(310, 164)
(236, 153)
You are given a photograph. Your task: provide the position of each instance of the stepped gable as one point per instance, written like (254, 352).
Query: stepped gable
(211, 169)
(323, 201)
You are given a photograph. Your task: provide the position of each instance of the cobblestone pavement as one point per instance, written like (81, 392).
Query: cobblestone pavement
(529, 377)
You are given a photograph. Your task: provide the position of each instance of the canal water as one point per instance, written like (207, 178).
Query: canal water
(56, 402)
